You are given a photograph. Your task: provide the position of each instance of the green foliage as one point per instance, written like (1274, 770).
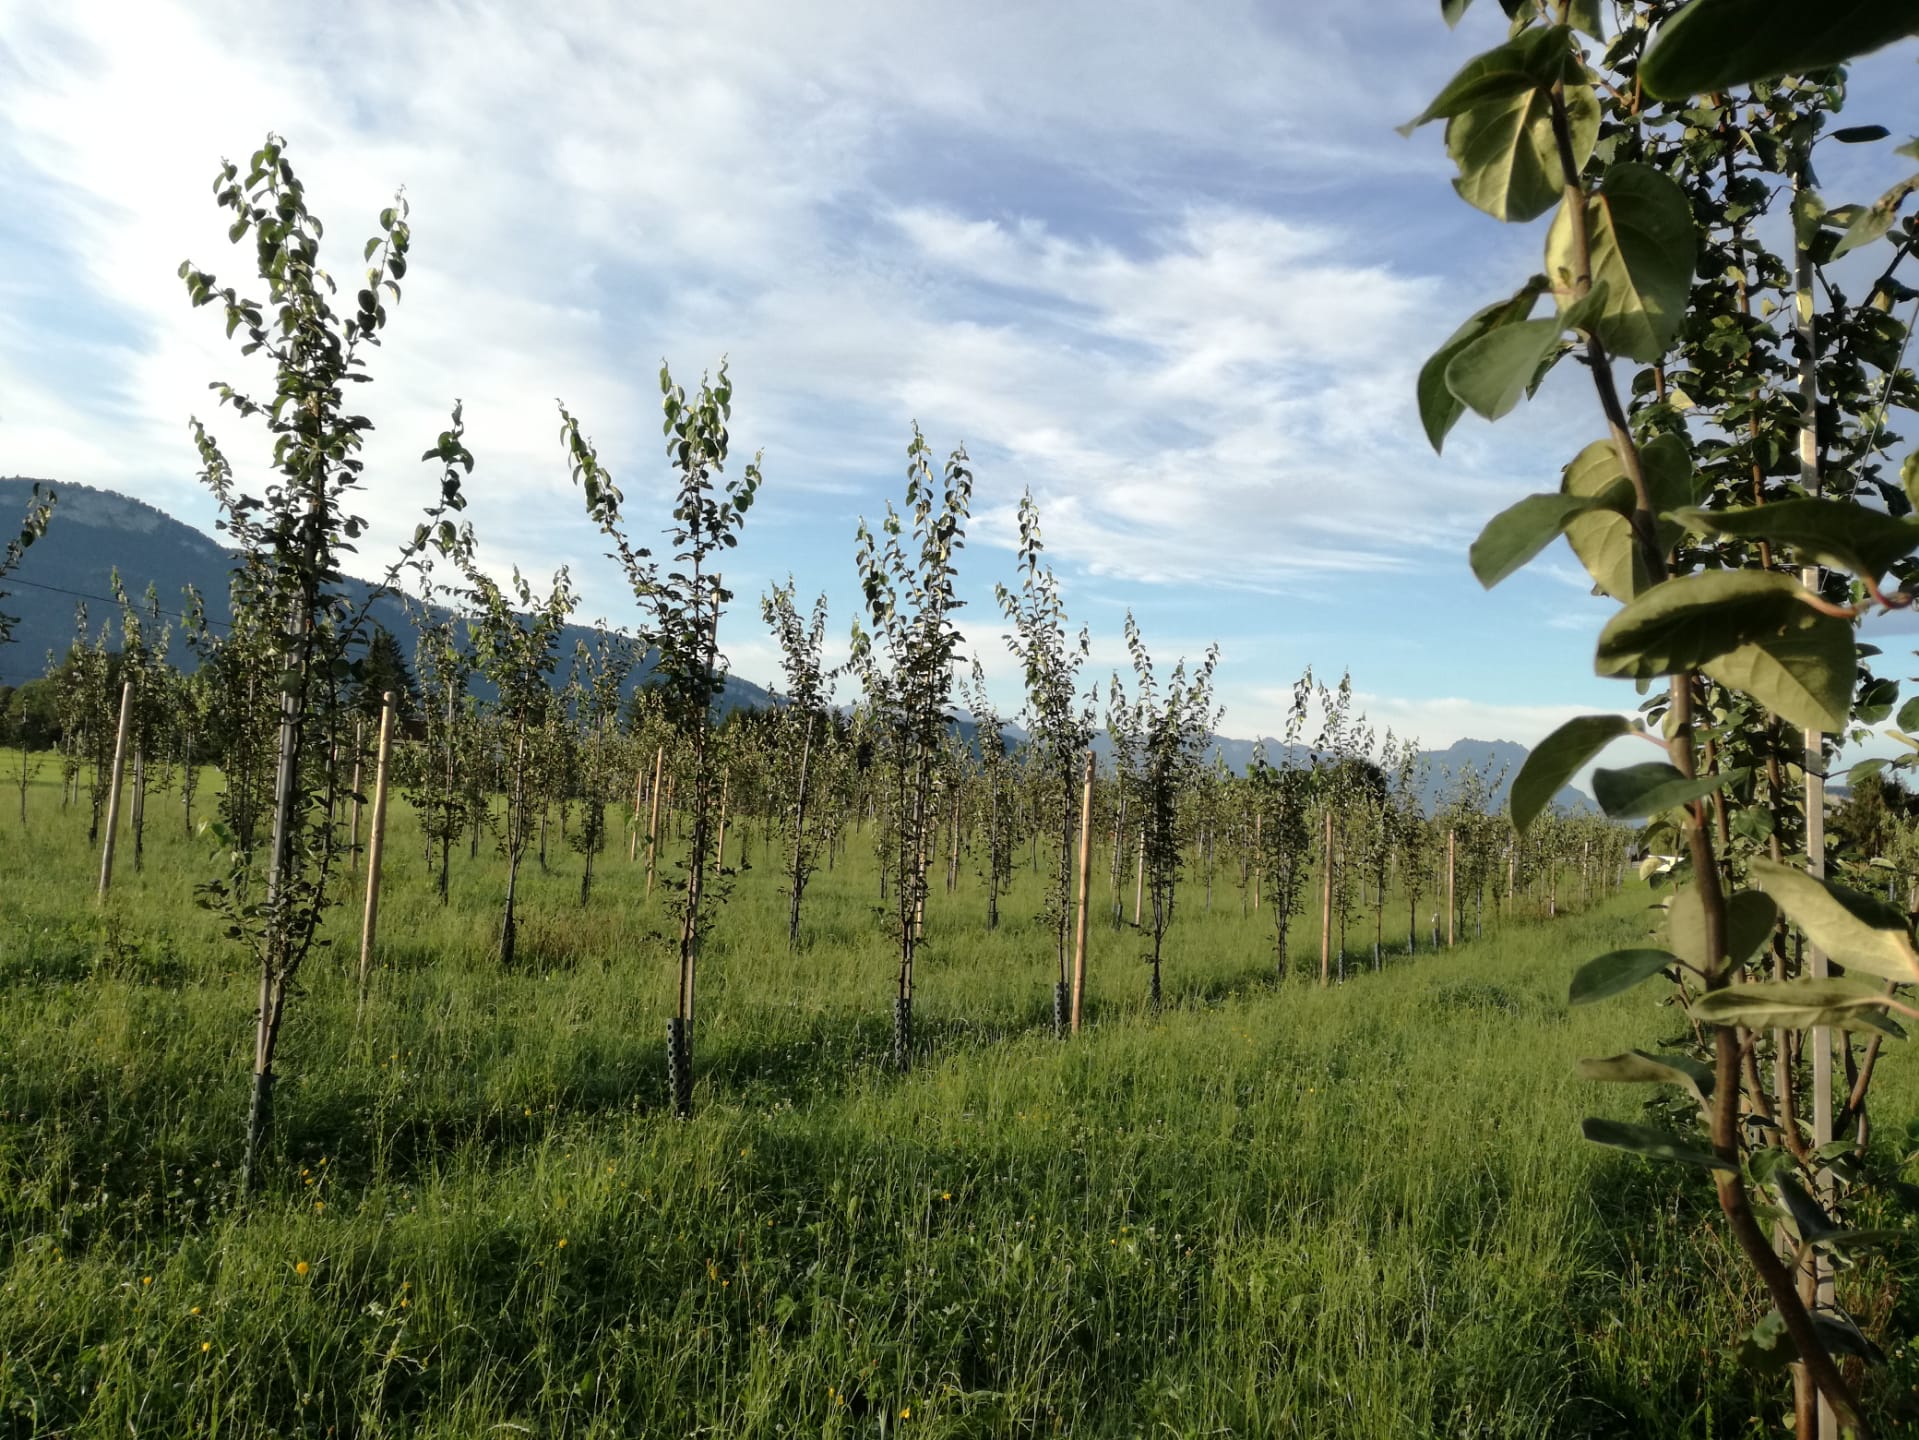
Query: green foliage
(1741, 454)
(1552, 763)
(1713, 44)
(32, 526)
(682, 606)
(291, 539)
(905, 664)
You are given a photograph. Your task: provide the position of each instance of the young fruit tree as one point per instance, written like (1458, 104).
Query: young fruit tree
(805, 726)
(516, 640)
(682, 608)
(292, 539)
(1171, 734)
(599, 671)
(1278, 830)
(998, 795)
(448, 743)
(1737, 511)
(1060, 724)
(905, 663)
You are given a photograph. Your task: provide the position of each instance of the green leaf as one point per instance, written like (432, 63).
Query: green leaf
(1556, 759)
(1588, 17)
(1638, 791)
(1536, 60)
(1439, 408)
(1767, 1348)
(1641, 245)
(1716, 44)
(1490, 373)
(1864, 770)
(1859, 134)
(1839, 1003)
(1616, 972)
(1636, 1067)
(1856, 930)
(1876, 219)
(1837, 533)
(1841, 1336)
(1750, 629)
(1507, 155)
(1603, 541)
(1909, 715)
(1652, 1143)
(1750, 918)
(1809, 1217)
(1801, 675)
(1519, 532)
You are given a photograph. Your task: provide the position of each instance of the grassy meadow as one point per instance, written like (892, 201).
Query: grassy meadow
(1270, 1210)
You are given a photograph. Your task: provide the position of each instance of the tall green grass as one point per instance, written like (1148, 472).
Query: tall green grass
(1269, 1210)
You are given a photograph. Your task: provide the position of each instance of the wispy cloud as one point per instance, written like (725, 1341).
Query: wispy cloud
(1145, 259)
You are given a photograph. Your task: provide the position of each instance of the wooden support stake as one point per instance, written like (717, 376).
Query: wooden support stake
(376, 842)
(633, 830)
(113, 792)
(1139, 879)
(719, 852)
(1085, 884)
(1452, 906)
(653, 821)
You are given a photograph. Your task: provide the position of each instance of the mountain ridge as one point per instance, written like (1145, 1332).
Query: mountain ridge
(96, 531)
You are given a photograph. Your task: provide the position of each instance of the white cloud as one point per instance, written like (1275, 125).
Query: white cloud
(597, 186)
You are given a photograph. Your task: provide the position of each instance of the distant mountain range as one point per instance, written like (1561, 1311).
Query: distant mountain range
(94, 532)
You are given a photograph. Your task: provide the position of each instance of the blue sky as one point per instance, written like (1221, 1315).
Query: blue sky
(1168, 265)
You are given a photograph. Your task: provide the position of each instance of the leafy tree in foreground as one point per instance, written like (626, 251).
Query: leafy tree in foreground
(1743, 597)
(292, 538)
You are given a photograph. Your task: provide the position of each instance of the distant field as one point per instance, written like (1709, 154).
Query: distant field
(1271, 1210)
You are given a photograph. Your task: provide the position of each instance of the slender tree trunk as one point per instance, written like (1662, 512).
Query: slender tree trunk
(993, 856)
(1326, 905)
(797, 874)
(448, 827)
(515, 843)
(353, 801)
(139, 816)
(277, 959)
(952, 856)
